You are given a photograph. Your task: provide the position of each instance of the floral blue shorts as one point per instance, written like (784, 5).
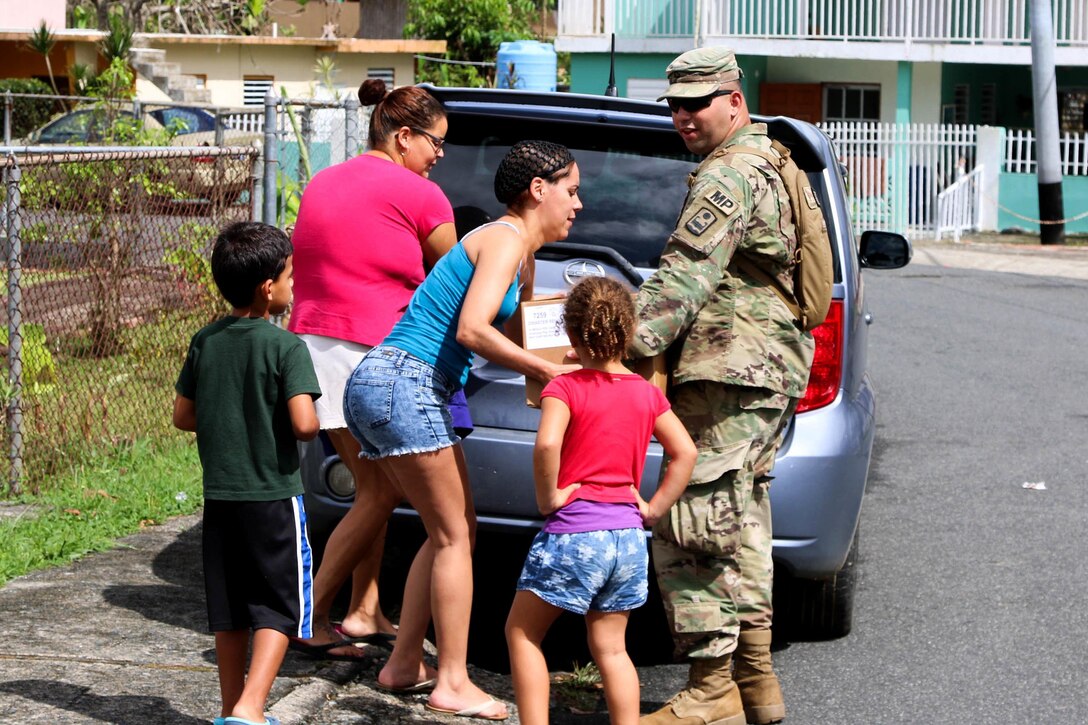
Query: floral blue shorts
(395, 404)
(600, 570)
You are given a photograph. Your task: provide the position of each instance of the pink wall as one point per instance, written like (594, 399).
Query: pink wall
(23, 15)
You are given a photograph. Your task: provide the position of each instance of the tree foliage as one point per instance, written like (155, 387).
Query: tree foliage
(131, 10)
(473, 30)
(207, 17)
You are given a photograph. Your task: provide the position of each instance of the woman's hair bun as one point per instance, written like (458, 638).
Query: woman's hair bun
(372, 91)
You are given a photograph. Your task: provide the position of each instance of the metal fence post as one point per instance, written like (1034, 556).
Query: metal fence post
(15, 340)
(351, 126)
(256, 194)
(7, 117)
(270, 192)
(218, 126)
(307, 133)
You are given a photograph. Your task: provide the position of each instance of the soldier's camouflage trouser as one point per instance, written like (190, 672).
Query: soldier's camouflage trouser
(712, 551)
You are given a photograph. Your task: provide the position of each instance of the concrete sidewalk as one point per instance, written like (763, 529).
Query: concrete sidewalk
(121, 637)
(1034, 259)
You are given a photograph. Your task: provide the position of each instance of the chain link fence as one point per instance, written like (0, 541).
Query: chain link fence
(105, 260)
(30, 118)
(302, 136)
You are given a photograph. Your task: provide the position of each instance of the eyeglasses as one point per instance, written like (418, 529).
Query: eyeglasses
(436, 141)
(694, 105)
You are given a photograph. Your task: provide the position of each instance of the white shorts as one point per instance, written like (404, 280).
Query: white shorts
(334, 362)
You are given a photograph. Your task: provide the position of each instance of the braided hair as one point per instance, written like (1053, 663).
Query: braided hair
(599, 315)
(528, 160)
(405, 106)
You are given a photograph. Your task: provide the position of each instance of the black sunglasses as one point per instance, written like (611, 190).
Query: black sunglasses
(693, 105)
(436, 141)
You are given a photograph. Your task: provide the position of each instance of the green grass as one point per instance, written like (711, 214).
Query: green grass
(104, 402)
(111, 494)
(579, 691)
(32, 277)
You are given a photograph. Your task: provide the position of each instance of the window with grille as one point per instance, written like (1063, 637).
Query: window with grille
(385, 74)
(255, 88)
(851, 102)
(988, 104)
(1073, 110)
(961, 103)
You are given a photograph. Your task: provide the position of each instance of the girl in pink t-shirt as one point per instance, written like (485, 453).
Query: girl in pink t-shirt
(590, 557)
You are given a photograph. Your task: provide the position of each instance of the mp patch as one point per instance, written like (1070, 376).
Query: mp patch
(723, 201)
(701, 221)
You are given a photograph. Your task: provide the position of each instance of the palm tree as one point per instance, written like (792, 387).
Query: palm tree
(42, 41)
(118, 40)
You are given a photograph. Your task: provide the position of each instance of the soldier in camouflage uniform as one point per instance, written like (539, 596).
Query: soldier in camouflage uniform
(739, 363)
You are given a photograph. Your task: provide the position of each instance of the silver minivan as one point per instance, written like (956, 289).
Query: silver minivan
(633, 181)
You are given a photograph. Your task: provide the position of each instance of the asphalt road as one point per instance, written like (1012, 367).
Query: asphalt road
(971, 600)
(970, 604)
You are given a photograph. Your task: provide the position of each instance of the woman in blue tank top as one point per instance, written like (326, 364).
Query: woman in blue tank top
(395, 404)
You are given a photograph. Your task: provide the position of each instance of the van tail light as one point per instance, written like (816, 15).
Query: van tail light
(204, 159)
(823, 381)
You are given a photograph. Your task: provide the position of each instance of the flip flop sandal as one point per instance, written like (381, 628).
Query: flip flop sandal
(324, 651)
(424, 686)
(473, 712)
(383, 639)
(377, 639)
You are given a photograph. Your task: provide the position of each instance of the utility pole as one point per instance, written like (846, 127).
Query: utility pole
(1047, 154)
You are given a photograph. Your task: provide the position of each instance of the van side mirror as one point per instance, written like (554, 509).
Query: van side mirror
(884, 250)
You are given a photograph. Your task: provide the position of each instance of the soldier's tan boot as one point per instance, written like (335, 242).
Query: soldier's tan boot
(754, 675)
(710, 698)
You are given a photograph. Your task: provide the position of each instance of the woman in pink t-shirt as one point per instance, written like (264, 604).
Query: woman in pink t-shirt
(367, 230)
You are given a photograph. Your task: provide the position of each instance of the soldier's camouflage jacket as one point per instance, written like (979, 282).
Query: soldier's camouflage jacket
(729, 328)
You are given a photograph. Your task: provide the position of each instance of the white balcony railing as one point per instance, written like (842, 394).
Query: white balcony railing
(922, 21)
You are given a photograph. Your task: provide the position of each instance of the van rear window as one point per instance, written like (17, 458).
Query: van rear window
(633, 181)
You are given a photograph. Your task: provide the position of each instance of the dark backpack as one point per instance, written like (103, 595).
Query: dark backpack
(813, 272)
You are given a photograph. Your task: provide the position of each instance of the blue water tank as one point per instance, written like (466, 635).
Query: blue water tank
(527, 65)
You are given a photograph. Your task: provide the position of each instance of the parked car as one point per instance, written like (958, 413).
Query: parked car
(633, 170)
(189, 125)
(88, 125)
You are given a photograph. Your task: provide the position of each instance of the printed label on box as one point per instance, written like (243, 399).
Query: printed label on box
(544, 326)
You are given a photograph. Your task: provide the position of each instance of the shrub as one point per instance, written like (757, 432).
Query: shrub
(29, 113)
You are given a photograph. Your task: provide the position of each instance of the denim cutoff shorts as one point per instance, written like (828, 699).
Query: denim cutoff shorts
(396, 404)
(600, 570)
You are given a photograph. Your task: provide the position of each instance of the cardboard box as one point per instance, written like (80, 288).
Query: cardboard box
(545, 336)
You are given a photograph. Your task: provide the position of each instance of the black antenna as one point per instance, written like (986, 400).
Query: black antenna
(611, 89)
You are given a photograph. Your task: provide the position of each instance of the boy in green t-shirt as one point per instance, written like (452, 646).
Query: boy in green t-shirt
(247, 390)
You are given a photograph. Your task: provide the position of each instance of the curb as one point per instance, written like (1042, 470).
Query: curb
(308, 698)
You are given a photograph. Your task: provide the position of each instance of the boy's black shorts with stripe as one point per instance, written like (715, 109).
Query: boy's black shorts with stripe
(257, 566)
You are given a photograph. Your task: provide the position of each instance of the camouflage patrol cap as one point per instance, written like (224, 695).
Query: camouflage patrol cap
(700, 72)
